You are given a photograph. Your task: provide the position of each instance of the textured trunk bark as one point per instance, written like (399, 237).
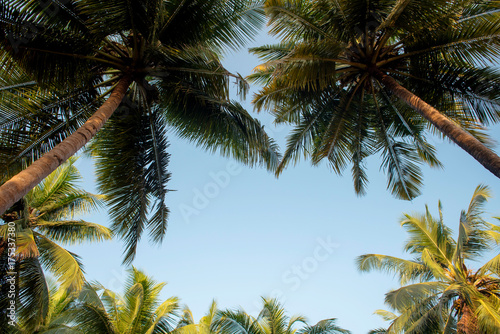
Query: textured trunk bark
(3, 245)
(19, 185)
(468, 322)
(462, 138)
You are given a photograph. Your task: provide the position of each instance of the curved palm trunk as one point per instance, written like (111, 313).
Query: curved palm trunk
(462, 138)
(19, 185)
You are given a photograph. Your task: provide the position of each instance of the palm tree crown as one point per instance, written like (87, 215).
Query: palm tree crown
(159, 64)
(271, 320)
(139, 311)
(440, 293)
(340, 71)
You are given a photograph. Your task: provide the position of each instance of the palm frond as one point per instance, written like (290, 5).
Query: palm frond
(326, 326)
(427, 233)
(236, 322)
(33, 293)
(65, 265)
(73, 231)
(221, 23)
(163, 320)
(49, 50)
(488, 314)
(136, 190)
(220, 125)
(406, 270)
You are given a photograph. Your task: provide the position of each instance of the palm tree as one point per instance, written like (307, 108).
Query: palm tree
(42, 219)
(440, 293)
(138, 311)
(272, 319)
(159, 64)
(352, 76)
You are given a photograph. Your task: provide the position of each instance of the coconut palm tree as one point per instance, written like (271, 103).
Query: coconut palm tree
(440, 292)
(272, 319)
(44, 218)
(158, 64)
(357, 77)
(139, 311)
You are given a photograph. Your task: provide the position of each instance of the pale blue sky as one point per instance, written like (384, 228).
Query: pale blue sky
(236, 233)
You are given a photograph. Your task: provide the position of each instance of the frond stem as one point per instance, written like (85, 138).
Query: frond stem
(24, 84)
(105, 82)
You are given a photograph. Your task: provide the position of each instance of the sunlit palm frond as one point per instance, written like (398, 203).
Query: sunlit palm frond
(428, 233)
(163, 320)
(410, 295)
(65, 265)
(406, 270)
(236, 322)
(489, 314)
(73, 231)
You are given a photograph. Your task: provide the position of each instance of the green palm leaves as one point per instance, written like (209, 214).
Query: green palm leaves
(440, 293)
(95, 309)
(337, 78)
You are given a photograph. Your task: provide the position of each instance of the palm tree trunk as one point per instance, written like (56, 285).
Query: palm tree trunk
(19, 185)
(462, 138)
(468, 322)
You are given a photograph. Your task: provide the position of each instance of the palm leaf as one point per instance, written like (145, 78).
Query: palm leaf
(136, 191)
(162, 321)
(407, 270)
(33, 293)
(65, 265)
(73, 231)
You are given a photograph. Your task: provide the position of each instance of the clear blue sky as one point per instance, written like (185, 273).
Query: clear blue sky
(236, 234)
